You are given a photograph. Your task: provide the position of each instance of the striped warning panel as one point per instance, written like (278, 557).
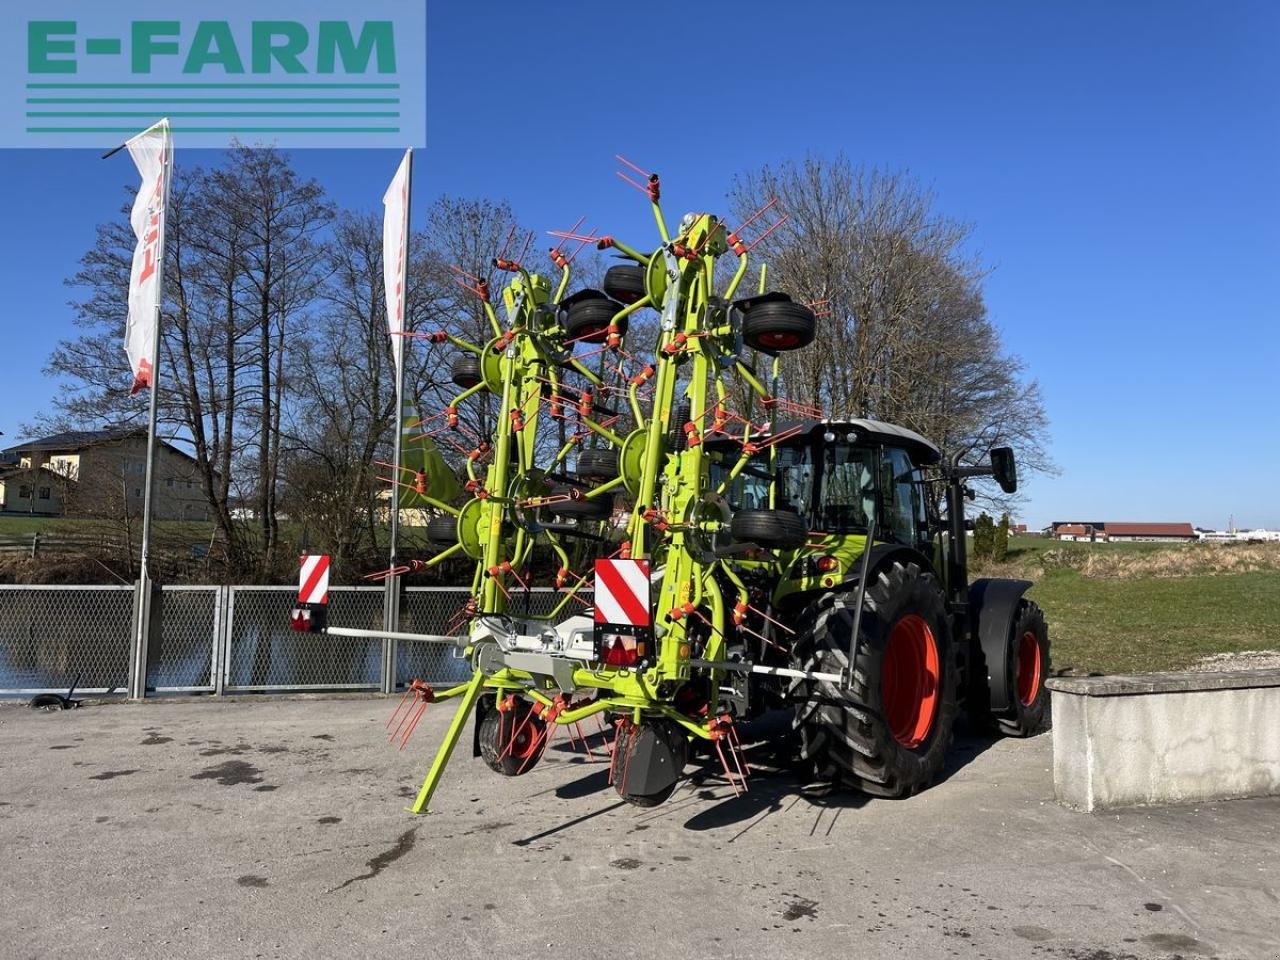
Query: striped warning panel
(313, 579)
(622, 592)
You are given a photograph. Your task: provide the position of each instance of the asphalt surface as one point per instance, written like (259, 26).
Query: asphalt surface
(276, 828)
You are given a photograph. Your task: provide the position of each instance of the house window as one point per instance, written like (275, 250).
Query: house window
(169, 482)
(188, 484)
(137, 491)
(44, 493)
(24, 493)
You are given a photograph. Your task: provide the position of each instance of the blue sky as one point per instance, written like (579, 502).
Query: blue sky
(1118, 162)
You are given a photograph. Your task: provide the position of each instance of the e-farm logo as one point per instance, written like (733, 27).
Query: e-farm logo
(296, 74)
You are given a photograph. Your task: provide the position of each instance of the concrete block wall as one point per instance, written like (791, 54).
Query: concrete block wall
(1165, 738)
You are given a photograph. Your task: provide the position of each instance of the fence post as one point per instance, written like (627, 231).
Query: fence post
(391, 623)
(139, 648)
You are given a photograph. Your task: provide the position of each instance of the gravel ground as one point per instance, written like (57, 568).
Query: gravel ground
(277, 828)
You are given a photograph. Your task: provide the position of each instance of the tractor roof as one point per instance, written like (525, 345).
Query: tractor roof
(923, 451)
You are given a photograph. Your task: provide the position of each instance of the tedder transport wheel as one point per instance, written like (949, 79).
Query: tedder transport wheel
(511, 740)
(1029, 667)
(773, 529)
(465, 371)
(648, 762)
(587, 320)
(777, 325)
(888, 736)
(597, 508)
(597, 464)
(442, 531)
(625, 283)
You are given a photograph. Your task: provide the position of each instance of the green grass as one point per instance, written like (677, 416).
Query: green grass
(1141, 607)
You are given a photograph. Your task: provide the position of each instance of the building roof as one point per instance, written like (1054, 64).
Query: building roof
(70, 441)
(1071, 529)
(1149, 530)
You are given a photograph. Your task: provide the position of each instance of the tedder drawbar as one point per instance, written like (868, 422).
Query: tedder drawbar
(750, 553)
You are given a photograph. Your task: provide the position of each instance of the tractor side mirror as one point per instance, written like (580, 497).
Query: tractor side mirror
(1005, 468)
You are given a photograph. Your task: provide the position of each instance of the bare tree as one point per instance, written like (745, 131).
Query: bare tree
(903, 330)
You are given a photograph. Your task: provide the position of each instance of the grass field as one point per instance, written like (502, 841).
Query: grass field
(1137, 607)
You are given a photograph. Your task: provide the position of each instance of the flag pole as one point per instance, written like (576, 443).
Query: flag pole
(142, 618)
(399, 371)
(391, 599)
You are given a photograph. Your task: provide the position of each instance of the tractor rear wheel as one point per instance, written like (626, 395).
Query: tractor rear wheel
(772, 529)
(466, 372)
(511, 740)
(888, 734)
(625, 283)
(442, 531)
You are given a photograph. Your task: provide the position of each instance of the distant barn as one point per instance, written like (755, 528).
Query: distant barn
(1115, 531)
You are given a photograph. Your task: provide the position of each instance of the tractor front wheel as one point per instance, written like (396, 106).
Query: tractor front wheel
(888, 733)
(1028, 653)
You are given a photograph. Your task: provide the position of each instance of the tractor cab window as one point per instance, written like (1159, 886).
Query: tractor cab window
(750, 488)
(848, 488)
(903, 503)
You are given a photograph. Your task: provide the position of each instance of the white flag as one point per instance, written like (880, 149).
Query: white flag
(152, 152)
(395, 251)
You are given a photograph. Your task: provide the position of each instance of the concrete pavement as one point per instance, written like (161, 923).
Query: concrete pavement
(276, 828)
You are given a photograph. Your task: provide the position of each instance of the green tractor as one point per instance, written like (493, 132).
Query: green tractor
(910, 638)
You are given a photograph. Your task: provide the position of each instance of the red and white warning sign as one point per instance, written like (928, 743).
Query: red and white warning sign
(313, 579)
(622, 593)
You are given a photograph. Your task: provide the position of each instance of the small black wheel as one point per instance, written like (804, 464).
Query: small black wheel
(465, 371)
(442, 531)
(649, 762)
(578, 507)
(774, 323)
(511, 741)
(625, 283)
(773, 529)
(587, 320)
(598, 464)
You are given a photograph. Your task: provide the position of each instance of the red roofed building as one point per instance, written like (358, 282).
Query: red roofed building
(1112, 530)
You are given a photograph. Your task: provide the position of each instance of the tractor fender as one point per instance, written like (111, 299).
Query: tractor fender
(993, 606)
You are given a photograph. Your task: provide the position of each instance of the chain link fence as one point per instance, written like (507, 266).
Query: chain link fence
(207, 639)
(54, 637)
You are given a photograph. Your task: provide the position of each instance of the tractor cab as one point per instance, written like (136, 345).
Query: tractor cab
(833, 478)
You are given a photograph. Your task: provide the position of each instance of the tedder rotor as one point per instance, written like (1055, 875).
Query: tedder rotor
(749, 553)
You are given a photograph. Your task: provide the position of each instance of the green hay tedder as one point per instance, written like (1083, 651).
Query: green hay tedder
(749, 553)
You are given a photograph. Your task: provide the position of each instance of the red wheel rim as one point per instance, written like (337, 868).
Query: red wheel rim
(524, 738)
(910, 681)
(1028, 679)
(778, 341)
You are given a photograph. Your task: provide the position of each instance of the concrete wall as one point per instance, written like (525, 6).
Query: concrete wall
(1165, 738)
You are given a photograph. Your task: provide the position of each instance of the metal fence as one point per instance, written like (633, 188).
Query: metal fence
(215, 640)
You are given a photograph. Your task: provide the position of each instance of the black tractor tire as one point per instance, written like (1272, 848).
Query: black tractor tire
(442, 531)
(1028, 651)
(465, 371)
(676, 745)
(597, 508)
(888, 735)
(587, 320)
(778, 325)
(625, 283)
(771, 529)
(496, 731)
(600, 463)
